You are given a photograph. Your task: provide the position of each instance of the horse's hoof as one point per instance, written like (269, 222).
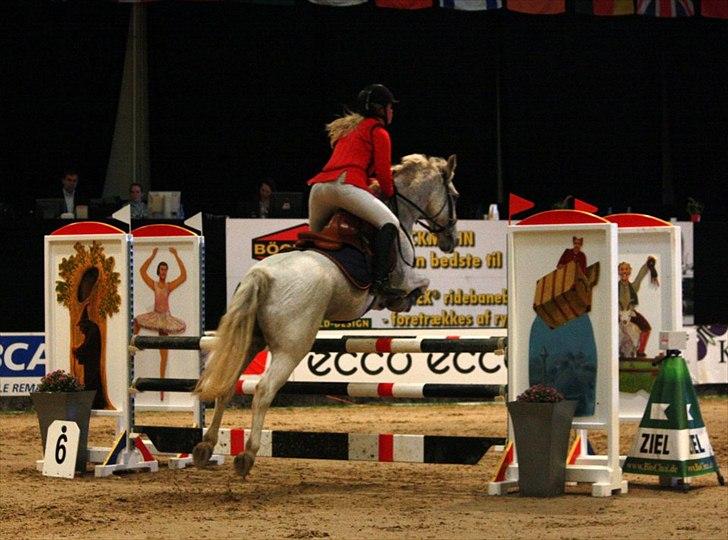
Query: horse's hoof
(202, 453)
(243, 463)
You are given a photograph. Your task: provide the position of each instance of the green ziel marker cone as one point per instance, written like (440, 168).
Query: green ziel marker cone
(672, 440)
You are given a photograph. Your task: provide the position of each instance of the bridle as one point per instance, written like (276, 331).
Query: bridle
(428, 221)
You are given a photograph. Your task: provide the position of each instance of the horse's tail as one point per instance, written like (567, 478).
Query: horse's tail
(234, 336)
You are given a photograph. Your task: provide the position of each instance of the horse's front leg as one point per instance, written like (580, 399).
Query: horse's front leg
(202, 452)
(280, 369)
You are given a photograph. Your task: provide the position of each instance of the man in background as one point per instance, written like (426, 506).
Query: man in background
(69, 181)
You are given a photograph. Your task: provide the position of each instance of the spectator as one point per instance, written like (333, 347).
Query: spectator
(259, 206)
(70, 192)
(136, 202)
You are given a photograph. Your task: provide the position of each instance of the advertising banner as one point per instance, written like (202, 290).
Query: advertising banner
(22, 362)
(467, 287)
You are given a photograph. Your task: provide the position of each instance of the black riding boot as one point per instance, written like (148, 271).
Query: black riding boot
(383, 242)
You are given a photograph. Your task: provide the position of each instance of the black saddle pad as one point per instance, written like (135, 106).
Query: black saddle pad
(352, 262)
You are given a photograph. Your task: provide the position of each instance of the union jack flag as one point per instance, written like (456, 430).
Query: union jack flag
(666, 8)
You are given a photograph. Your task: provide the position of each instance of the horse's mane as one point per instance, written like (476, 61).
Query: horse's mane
(409, 171)
(342, 126)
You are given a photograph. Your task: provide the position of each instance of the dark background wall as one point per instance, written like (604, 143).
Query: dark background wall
(621, 112)
(241, 91)
(588, 104)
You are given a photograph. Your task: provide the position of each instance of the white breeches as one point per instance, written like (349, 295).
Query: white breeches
(328, 197)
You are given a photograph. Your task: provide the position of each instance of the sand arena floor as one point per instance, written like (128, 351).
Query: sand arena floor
(327, 499)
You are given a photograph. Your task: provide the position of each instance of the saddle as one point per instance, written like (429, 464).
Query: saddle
(342, 229)
(348, 241)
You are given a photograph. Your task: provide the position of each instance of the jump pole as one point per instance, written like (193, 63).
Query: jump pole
(247, 387)
(495, 345)
(382, 447)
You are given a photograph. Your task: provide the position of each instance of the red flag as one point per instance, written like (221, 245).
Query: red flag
(714, 8)
(584, 206)
(537, 7)
(517, 204)
(605, 7)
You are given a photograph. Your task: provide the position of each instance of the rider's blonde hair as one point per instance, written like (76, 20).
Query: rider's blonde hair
(341, 127)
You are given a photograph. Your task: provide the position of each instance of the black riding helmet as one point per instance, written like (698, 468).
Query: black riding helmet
(373, 99)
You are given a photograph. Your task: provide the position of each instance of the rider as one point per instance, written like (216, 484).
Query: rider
(362, 153)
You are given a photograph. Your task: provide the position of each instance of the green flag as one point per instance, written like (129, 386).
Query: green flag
(672, 439)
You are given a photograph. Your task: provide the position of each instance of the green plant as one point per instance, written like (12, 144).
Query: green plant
(541, 393)
(694, 206)
(59, 381)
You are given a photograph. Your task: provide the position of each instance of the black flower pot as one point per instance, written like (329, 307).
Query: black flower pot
(72, 406)
(542, 442)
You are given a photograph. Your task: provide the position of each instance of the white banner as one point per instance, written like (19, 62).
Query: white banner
(707, 355)
(467, 288)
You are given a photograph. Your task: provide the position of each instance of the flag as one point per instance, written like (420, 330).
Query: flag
(123, 214)
(404, 4)
(337, 3)
(537, 7)
(714, 8)
(666, 8)
(195, 222)
(471, 5)
(584, 206)
(517, 204)
(672, 440)
(605, 7)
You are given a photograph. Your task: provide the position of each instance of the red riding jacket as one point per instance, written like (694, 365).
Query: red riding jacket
(363, 153)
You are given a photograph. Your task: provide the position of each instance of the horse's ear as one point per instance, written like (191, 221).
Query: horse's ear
(452, 162)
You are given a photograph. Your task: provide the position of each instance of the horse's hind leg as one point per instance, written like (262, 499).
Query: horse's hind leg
(202, 452)
(280, 369)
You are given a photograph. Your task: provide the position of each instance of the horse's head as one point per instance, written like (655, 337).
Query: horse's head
(426, 186)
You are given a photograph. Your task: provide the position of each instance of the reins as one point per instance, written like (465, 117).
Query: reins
(429, 224)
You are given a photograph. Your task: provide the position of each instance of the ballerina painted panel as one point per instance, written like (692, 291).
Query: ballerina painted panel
(167, 302)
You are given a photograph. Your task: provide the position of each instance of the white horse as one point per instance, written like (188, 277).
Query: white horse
(282, 301)
(629, 334)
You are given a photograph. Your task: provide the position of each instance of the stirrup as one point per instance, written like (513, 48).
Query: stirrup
(383, 288)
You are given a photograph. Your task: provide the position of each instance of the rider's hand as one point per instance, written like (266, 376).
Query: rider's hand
(375, 188)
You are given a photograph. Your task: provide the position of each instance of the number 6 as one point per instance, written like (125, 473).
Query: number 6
(61, 449)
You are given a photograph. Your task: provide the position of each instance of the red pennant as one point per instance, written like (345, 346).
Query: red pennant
(517, 204)
(584, 206)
